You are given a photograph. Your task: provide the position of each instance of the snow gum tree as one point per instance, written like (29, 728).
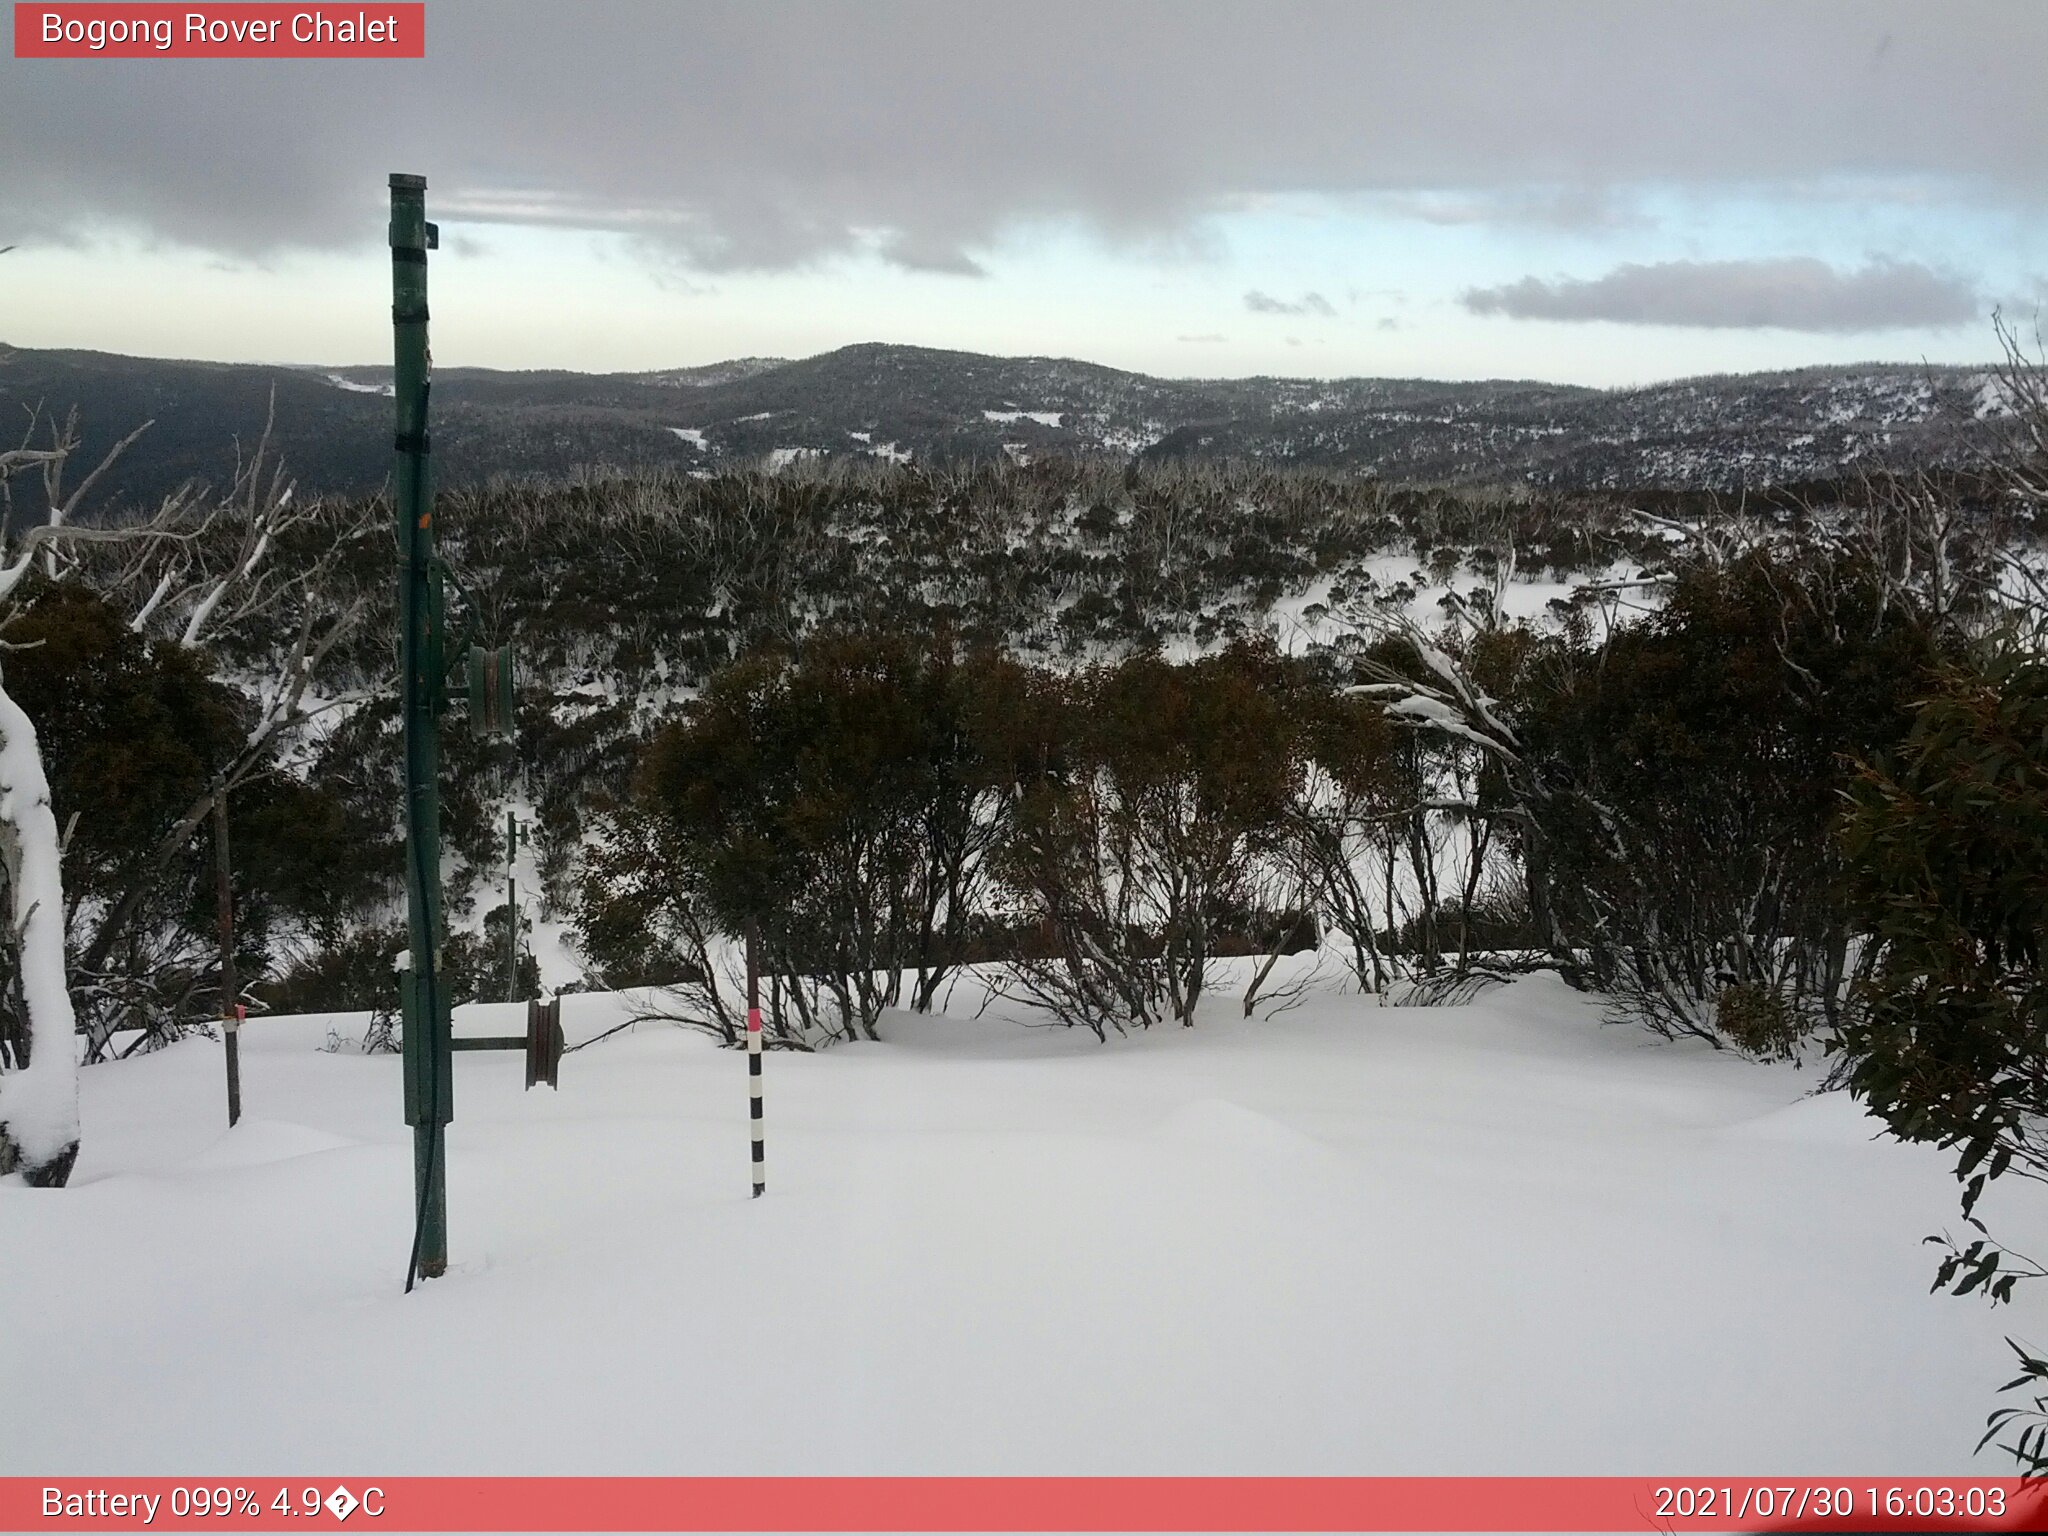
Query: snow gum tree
(1669, 786)
(1948, 848)
(1946, 844)
(1166, 794)
(835, 797)
(1347, 824)
(1696, 764)
(1947, 1040)
(1406, 821)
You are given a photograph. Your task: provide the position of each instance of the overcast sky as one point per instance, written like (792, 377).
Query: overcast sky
(1601, 193)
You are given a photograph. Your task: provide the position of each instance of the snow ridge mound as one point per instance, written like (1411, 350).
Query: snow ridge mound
(1227, 1127)
(1824, 1119)
(254, 1143)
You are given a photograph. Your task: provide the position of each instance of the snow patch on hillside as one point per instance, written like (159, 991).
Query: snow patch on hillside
(1994, 398)
(339, 382)
(1010, 418)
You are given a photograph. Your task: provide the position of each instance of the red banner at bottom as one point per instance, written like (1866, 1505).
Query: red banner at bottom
(1022, 1504)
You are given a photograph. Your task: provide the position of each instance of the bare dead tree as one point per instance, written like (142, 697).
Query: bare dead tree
(193, 573)
(2021, 379)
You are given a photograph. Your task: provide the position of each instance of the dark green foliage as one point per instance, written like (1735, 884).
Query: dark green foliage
(355, 972)
(315, 852)
(829, 796)
(1164, 797)
(1947, 841)
(641, 915)
(1348, 825)
(130, 731)
(2027, 1424)
(1688, 771)
(853, 799)
(351, 974)
(629, 590)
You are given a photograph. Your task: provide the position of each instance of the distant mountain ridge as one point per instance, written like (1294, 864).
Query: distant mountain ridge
(897, 402)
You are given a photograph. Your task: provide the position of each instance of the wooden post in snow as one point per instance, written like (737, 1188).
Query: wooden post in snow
(511, 907)
(754, 1061)
(230, 984)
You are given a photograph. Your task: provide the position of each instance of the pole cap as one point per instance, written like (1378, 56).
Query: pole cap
(403, 183)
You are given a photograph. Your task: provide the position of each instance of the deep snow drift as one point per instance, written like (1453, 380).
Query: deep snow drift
(1499, 1238)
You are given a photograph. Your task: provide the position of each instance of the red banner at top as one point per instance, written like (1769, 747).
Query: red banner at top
(67, 29)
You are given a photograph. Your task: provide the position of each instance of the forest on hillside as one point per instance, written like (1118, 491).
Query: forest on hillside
(1430, 669)
(873, 403)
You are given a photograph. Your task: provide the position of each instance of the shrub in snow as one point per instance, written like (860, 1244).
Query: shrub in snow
(1687, 772)
(1948, 854)
(1162, 799)
(840, 799)
(1948, 1039)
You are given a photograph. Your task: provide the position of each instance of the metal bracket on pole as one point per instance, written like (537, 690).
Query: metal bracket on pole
(544, 1041)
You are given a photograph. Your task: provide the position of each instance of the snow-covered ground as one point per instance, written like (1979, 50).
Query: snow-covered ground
(1498, 1238)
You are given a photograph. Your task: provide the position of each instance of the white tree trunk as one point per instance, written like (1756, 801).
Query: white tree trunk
(39, 1102)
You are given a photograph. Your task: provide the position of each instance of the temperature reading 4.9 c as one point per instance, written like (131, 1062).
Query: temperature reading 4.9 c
(222, 1501)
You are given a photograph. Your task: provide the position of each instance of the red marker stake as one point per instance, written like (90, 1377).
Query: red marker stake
(754, 1065)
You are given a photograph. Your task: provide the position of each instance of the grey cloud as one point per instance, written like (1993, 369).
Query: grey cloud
(1576, 208)
(765, 134)
(916, 254)
(1308, 304)
(1797, 294)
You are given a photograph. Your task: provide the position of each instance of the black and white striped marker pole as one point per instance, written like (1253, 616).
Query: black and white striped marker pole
(754, 1065)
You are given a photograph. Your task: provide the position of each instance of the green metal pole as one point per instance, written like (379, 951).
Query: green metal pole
(429, 1099)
